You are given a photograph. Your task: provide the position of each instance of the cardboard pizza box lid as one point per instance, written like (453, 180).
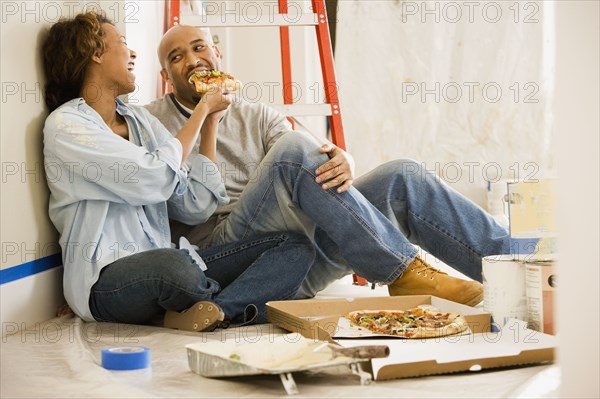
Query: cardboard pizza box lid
(513, 345)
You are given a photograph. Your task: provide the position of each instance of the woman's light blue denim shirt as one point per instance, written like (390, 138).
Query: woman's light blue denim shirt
(110, 197)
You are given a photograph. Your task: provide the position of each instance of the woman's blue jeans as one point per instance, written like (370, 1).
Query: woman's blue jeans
(139, 288)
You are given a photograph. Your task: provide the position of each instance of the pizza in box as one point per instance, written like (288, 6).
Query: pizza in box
(421, 322)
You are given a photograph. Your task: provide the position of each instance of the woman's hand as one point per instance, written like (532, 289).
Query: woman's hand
(215, 100)
(214, 118)
(211, 104)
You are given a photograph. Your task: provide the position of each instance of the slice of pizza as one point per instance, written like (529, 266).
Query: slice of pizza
(420, 322)
(204, 80)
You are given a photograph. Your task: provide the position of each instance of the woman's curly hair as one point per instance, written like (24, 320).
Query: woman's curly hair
(67, 52)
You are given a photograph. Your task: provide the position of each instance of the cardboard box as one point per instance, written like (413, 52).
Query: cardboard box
(318, 318)
(514, 345)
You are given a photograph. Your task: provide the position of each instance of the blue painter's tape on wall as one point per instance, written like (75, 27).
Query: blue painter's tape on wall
(30, 268)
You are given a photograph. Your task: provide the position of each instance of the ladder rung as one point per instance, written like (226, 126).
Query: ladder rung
(235, 20)
(303, 109)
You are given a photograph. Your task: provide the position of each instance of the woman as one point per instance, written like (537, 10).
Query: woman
(116, 177)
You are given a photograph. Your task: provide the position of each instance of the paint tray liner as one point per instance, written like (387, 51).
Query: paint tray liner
(279, 355)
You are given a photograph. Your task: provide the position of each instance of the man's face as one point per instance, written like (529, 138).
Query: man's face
(184, 50)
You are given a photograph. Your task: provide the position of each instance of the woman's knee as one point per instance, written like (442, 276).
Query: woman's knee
(175, 266)
(300, 240)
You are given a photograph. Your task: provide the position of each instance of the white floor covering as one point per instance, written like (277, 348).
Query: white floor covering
(61, 358)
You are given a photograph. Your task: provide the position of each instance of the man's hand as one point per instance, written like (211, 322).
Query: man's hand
(338, 171)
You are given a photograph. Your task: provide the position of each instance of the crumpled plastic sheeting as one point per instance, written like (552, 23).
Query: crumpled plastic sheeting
(61, 358)
(420, 80)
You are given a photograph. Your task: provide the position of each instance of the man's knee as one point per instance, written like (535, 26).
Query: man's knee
(405, 167)
(297, 147)
(399, 169)
(395, 176)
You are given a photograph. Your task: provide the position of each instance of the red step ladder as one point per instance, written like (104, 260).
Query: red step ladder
(318, 19)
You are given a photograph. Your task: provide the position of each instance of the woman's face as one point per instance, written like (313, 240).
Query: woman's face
(117, 61)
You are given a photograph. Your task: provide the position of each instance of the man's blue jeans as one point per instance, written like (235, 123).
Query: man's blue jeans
(372, 228)
(139, 288)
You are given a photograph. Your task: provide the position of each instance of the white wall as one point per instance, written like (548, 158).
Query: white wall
(27, 234)
(143, 25)
(462, 87)
(577, 129)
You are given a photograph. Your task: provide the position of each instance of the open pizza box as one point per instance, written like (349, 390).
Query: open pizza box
(479, 349)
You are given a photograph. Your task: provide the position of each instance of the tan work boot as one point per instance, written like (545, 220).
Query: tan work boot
(204, 316)
(420, 278)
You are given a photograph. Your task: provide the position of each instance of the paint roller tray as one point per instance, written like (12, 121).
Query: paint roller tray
(279, 355)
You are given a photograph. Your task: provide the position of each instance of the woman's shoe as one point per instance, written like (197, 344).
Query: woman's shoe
(204, 316)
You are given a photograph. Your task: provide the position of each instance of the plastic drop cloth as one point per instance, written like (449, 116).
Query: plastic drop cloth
(61, 358)
(464, 87)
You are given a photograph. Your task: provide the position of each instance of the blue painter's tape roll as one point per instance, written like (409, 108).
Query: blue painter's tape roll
(126, 357)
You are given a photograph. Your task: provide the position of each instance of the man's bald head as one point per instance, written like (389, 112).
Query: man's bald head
(180, 34)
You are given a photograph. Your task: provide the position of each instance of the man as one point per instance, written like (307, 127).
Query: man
(279, 180)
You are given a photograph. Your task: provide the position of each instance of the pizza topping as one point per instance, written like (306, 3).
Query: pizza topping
(206, 73)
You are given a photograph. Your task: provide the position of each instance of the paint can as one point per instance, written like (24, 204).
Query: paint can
(504, 295)
(497, 200)
(540, 282)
